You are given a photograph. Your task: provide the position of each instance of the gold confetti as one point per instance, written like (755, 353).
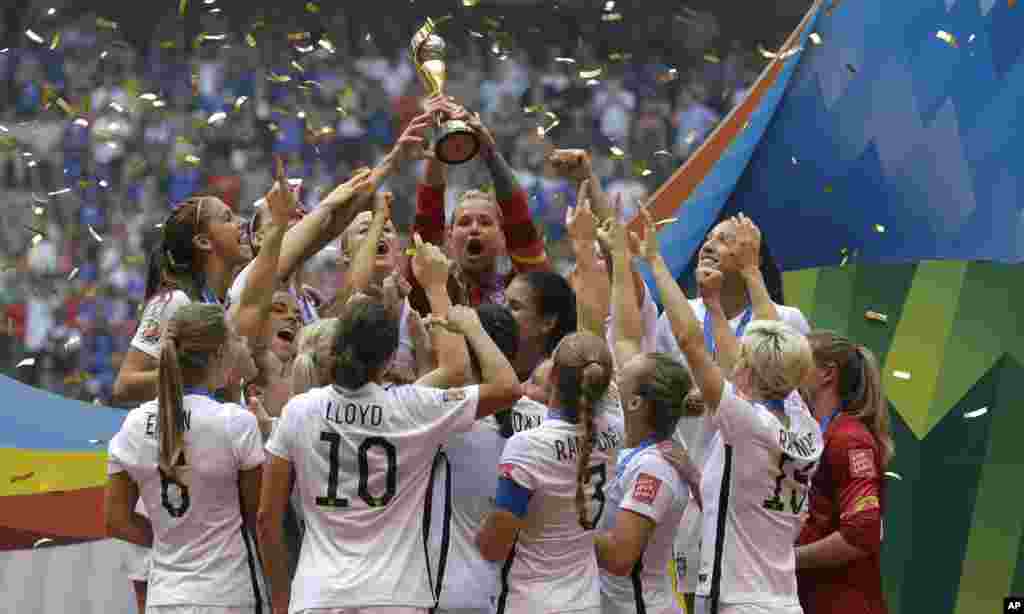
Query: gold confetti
(646, 172)
(312, 7)
(181, 7)
(326, 45)
(663, 152)
(666, 222)
(947, 38)
(903, 375)
(36, 240)
(410, 251)
(470, 3)
(618, 56)
(39, 210)
(276, 78)
(537, 108)
(42, 542)
(240, 101)
(877, 317)
(298, 66)
(617, 154)
(190, 159)
(74, 274)
(34, 37)
(298, 36)
(815, 38)
(591, 74)
(710, 57)
(64, 106)
(22, 477)
(879, 228)
(565, 60)
(168, 44)
(159, 104)
(216, 117)
(691, 136)
(611, 17)
(106, 24)
(476, 34)
(976, 413)
(28, 362)
(148, 96)
(273, 127)
(55, 42)
(250, 39)
(893, 475)
(95, 235)
(828, 188)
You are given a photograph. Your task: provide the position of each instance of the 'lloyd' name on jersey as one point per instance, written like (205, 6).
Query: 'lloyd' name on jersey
(153, 423)
(567, 449)
(799, 446)
(354, 413)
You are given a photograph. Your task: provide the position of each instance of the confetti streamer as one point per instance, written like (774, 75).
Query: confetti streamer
(879, 228)
(95, 235)
(712, 58)
(977, 413)
(326, 45)
(39, 210)
(877, 317)
(22, 477)
(617, 154)
(42, 542)
(610, 17)
(159, 104)
(663, 152)
(276, 78)
(312, 7)
(297, 66)
(149, 96)
(181, 7)
(106, 24)
(893, 475)
(240, 101)
(947, 38)
(216, 117)
(476, 34)
(28, 362)
(666, 222)
(190, 159)
(470, 3)
(250, 39)
(74, 274)
(55, 42)
(815, 38)
(591, 74)
(35, 38)
(565, 60)
(903, 375)
(36, 240)
(618, 56)
(59, 192)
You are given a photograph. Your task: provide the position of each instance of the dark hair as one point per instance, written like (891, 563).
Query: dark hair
(501, 326)
(366, 340)
(583, 372)
(172, 263)
(554, 297)
(667, 387)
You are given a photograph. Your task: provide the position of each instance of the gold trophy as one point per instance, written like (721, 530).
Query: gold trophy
(455, 141)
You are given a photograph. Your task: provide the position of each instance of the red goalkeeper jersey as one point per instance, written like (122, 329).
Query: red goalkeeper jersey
(846, 496)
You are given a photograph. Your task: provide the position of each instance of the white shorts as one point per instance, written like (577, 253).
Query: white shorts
(377, 609)
(702, 605)
(200, 609)
(136, 562)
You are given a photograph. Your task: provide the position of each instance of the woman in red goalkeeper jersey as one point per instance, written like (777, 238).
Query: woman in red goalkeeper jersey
(837, 555)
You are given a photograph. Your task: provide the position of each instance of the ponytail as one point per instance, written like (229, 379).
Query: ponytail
(594, 383)
(171, 407)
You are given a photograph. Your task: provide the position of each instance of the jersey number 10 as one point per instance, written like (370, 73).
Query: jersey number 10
(333, 498)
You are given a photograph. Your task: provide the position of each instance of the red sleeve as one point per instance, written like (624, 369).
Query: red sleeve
(523, 242)
(855, 460)
(429, 221)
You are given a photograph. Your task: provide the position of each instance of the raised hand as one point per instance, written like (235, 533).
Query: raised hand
(280, 199)
(358, 184)
(487, 141)
(647, 246)
(429, 264)
(461, 320)
(748, 242)
(412, 145)
(580, 222)
(571, 164)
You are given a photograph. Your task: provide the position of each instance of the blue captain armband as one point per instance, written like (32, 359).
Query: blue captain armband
(512, 497)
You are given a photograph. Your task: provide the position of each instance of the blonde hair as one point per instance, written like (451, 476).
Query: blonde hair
(859, 384)
(471, 195)
(195, 333)
(777, 357)
(304, 367)
(582, 366)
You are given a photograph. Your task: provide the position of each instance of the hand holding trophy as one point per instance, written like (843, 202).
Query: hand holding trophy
(455, 141)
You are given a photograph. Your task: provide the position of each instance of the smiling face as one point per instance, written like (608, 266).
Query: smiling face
(387, 246)
(285, 321)
(222, 230)
(475, 237)
(534, 327)
(719, 249)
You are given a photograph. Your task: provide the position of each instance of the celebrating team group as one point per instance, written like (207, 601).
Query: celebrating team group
(449, 433)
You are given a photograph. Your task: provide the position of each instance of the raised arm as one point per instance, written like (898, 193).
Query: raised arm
(589, 279)
(748, 242)
(727, 347)
(430, 266)
(687, 330)
(252, 312)
(627, 324)
(429, 220)
(574, 164)
(499, 384)
(360, 272)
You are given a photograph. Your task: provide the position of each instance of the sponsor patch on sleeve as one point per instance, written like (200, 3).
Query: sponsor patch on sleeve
(646, 488)
(862, 463)
(453, 396)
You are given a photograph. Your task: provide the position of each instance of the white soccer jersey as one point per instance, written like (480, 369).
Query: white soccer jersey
(201, 552)
(470, 581)
(649, 486)
(552, 567)
(362, 461)
(755, 487)
(696, 433)
(155, 316)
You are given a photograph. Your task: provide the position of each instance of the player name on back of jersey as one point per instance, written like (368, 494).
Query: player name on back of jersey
(798, 445)
(354, 413)
(153, 424)
(566, 449)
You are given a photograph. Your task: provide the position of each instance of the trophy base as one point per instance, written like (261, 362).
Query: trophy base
(456, 142)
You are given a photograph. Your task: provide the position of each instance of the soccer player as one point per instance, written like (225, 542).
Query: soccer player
(544, 307)
(647, 497)
(196, 464)
(361, 457)
(837, 559)
(765, 447)
(550, 494)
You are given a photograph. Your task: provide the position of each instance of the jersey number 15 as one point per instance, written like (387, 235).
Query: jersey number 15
(333, 498)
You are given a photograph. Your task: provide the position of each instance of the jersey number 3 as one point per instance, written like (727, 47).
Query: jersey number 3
(333, 498)
(173, 495)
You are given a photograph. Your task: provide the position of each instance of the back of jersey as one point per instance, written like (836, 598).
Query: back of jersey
(552, 566)
(201, 553)
(362, 460)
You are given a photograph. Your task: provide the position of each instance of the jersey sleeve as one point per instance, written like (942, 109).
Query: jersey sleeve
(246, 439)
(123, 449)
(736, 418)
(283, 437)
(854, 457)
(795, 318)
(648, 489)
(451, 411)
(519, 462)
(649, 342)
(153, 322)
(235, 291)
(524, 243)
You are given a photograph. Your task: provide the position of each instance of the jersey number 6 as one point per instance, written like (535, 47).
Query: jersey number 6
(332, 499)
